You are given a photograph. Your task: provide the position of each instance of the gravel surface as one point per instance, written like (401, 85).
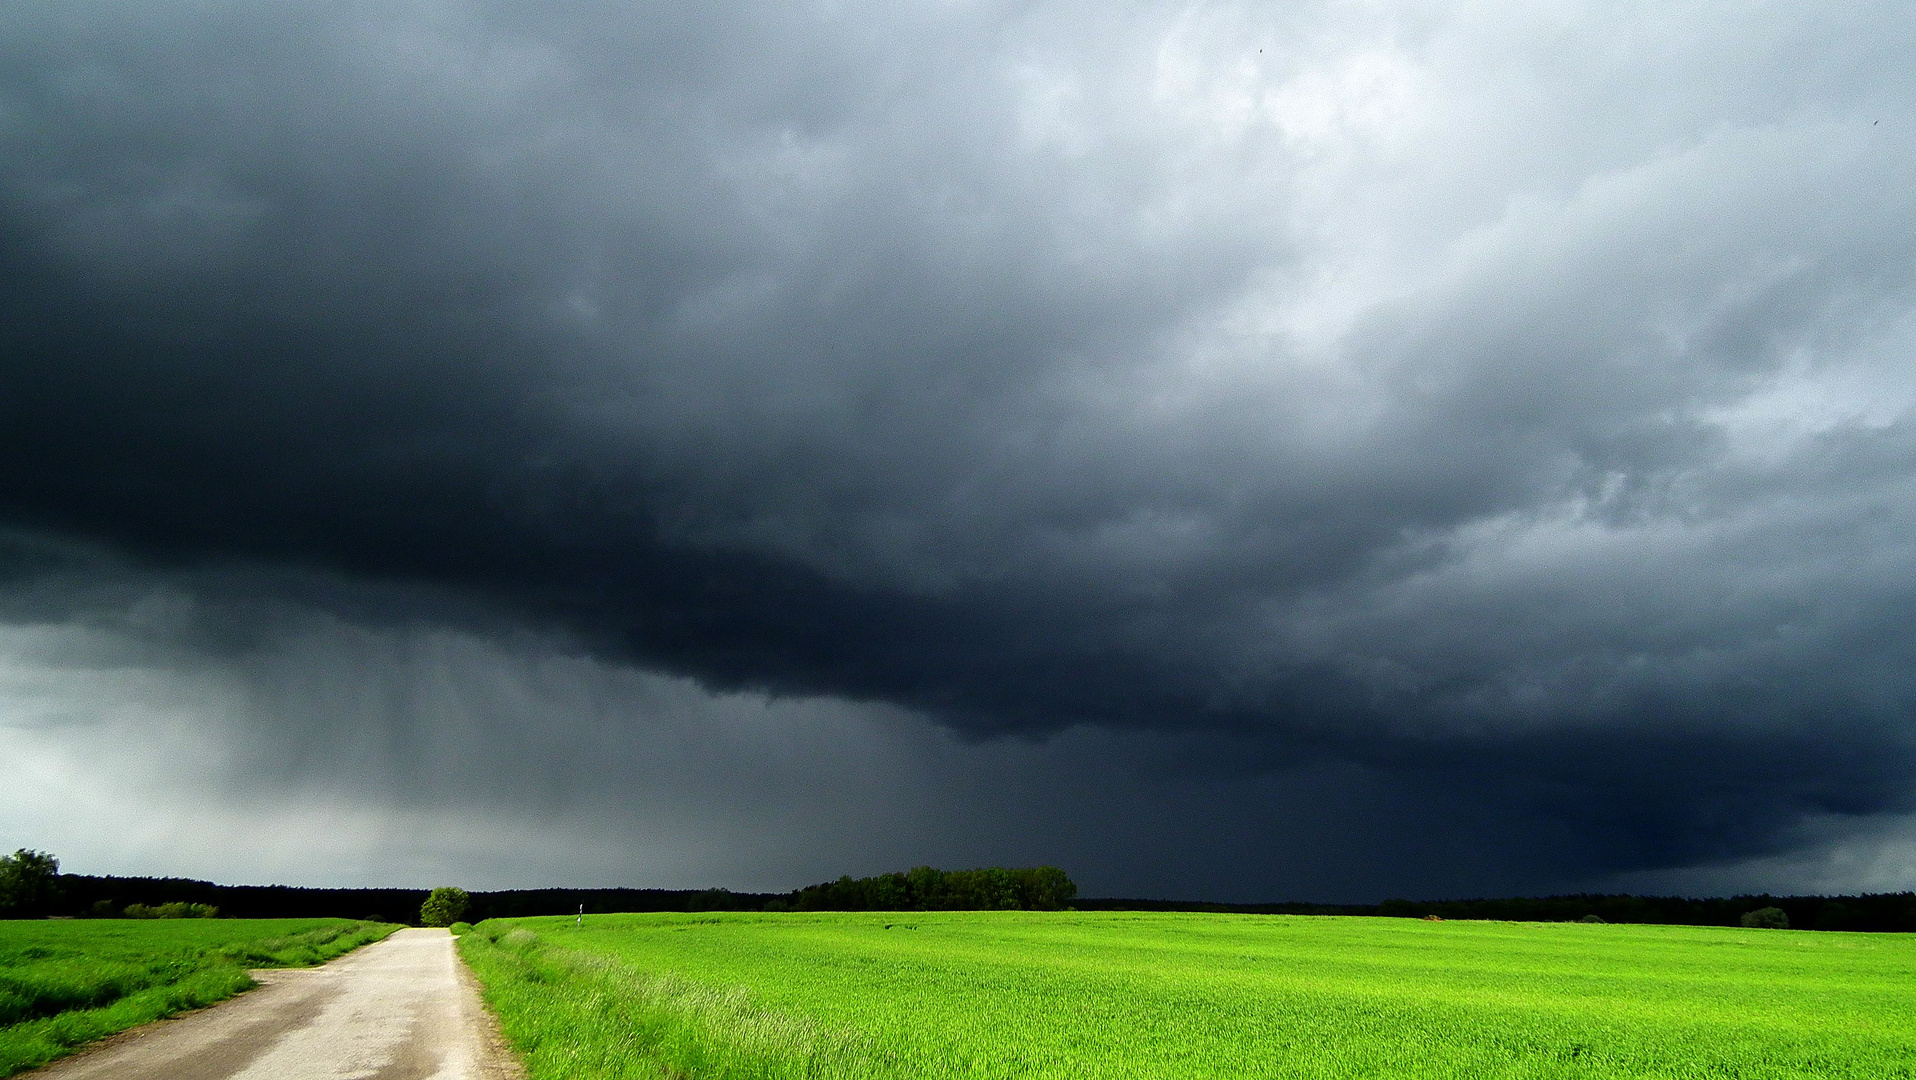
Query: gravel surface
(402, 1009)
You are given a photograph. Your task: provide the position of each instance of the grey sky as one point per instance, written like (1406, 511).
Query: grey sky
(1313, 450)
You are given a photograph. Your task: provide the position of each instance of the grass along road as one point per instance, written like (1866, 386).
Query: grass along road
(1015, 994)
(67, 983)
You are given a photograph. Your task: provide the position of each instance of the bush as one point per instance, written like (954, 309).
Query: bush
(1767, 918)
(444, 907)
(1592, 918)
(174, 910)
(459, 928)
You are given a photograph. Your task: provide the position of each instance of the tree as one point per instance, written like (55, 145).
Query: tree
(1767, 918)
(29, 883)
(444, 907)
(1044, 888)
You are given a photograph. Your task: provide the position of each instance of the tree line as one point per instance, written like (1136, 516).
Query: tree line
(31, 886)
(1883, 912)
(1878, 912)
(923, 888)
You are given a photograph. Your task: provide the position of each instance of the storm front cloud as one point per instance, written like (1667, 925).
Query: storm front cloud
(1309, 450)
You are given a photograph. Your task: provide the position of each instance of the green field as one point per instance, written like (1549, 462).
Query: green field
(65, 983)
(1073, 995)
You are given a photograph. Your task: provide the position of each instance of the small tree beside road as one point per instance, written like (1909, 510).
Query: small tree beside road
(444, 907)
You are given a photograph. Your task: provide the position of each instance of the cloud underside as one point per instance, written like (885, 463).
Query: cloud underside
(1201, 442)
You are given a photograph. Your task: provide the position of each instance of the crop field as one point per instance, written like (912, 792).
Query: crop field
(1074, 995)
(66, 983)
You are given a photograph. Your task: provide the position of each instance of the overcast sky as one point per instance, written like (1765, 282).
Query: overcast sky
(1284, 451)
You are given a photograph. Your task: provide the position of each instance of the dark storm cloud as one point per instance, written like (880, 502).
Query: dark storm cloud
(1512, 406)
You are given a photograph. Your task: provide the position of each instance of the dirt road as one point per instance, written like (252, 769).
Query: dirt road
(403, 1009)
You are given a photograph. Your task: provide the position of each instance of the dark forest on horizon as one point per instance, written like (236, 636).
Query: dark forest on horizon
(924, 888)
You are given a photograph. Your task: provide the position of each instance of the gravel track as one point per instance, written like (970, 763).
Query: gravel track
(402, 1009)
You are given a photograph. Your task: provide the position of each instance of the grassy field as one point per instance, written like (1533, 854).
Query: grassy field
(65, 983)
(1073, 995)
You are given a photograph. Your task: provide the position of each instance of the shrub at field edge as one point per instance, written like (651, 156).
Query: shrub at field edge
(446, 905)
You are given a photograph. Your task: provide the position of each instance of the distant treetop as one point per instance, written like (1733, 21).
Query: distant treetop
(445, 906)
(925, 888)
(29, 884)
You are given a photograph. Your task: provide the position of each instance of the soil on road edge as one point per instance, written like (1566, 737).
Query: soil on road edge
(404, 1008)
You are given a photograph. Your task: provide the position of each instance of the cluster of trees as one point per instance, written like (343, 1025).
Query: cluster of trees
(518, 902)
(923, 888)
(29, 884)
(81, 894)
(32, 887)
(174, 910)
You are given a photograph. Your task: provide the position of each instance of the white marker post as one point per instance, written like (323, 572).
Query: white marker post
(582, 916)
